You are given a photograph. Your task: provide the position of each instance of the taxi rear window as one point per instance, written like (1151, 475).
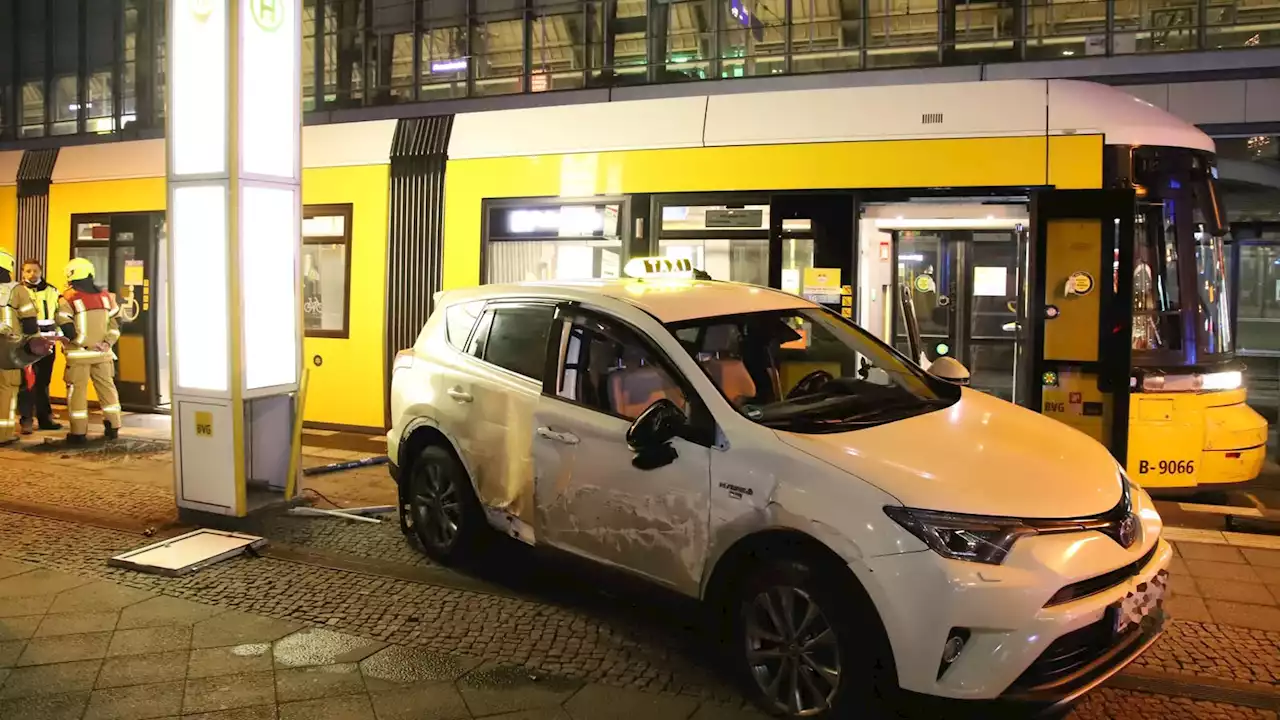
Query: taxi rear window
(458, 321)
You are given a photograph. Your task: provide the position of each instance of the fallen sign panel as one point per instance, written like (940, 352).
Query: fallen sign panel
(187, 553)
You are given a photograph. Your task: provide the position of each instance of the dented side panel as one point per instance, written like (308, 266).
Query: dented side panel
(592, 502)
(761, 484)
(498, 434)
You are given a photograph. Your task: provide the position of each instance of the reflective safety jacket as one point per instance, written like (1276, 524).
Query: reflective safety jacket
(15, 307)
(96, 320)
(45, 297)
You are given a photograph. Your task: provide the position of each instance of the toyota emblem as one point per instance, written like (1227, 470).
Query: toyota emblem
(1128, 532)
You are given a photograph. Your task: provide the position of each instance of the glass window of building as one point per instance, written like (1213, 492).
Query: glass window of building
(553, 242)
(444, 50)
(100, 52)
(826, 35)
(392, 51)
(902, 33)
(557, 49)
(30, 38)
(326, 270)
(624, 48)
(66, 64)
(497, 43)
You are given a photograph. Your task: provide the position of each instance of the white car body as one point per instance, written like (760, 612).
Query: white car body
(980, 456)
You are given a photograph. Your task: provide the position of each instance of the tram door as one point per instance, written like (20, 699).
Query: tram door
(965, 287)
(811, 249)
(123, 249)
(1080, 311)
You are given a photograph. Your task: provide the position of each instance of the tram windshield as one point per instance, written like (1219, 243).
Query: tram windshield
(1180, 221)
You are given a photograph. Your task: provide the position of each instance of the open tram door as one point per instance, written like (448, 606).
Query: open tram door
(1079, 314)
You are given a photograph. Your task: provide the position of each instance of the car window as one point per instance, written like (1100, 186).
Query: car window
(480, 337)
(458, 320)
(611, 369)
(807, 370)
(517, 338)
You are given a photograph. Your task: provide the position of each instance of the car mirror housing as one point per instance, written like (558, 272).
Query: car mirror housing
(656, 426)
(950, 369)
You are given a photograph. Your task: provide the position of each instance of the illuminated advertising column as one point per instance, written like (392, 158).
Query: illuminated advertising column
(234, 174)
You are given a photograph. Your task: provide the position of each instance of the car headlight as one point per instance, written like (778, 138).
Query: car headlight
(974, 538)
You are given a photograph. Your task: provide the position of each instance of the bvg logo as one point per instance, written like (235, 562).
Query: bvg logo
(269, 14)
(201, 9)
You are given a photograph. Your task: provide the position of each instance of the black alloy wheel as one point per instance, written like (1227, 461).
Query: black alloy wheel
(446, 517)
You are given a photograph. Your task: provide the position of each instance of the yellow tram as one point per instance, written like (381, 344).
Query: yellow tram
(872, 186)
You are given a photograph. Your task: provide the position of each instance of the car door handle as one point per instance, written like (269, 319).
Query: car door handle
(459, 394)
(567, 438)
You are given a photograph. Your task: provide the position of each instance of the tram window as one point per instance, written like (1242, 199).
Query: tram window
(1156, 323)
(539, 242)
(326, 270)
(1214, 314)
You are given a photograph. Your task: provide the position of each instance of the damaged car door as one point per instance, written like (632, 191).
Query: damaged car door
(642, 509)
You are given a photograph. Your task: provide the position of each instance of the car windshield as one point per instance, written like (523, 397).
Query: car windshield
(808, 370)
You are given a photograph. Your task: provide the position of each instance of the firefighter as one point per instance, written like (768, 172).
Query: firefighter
(89, 316)
(18, 323)
(33, 399)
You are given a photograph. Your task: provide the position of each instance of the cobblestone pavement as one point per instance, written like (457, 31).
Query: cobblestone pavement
(618, 647)
(129, 483)
(72, 647)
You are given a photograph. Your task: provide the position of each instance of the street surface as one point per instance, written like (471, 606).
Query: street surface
(338, 619)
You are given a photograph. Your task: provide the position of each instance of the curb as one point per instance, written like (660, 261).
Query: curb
(1197, 687)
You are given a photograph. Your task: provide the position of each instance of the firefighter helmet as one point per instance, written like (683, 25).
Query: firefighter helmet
(79, 269)
(7, 262)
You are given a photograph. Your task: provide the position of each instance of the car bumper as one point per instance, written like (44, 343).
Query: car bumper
(1035, 701)
(1021, 649)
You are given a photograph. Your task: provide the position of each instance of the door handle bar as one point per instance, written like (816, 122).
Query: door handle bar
(459, 394)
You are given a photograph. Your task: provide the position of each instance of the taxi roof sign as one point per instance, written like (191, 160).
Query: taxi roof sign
(658, 267)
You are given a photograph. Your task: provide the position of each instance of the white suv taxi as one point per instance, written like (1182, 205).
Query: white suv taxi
(867, 530)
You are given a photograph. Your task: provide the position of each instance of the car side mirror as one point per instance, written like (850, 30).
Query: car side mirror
(950, 369)
(656, 426)
(650, 435)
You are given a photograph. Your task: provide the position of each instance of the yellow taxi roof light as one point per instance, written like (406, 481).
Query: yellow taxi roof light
(658, 267)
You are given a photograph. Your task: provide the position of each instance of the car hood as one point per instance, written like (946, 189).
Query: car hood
(980, 456)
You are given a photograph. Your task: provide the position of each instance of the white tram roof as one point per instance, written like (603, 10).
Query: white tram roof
(999, 108)
(897, 112)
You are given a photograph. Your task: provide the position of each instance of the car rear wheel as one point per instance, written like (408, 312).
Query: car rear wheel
(803, 648)
(446, 517)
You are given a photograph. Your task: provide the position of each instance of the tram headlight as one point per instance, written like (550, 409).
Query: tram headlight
(1225, 380)
(1229, 380)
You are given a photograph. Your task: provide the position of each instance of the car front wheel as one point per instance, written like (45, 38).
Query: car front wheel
(446, 516)
(803, 647)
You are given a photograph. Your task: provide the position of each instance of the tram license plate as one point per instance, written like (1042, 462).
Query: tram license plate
(1145, 600)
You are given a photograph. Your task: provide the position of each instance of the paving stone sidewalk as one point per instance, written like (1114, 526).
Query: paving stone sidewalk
(99, 642)
(73, 647)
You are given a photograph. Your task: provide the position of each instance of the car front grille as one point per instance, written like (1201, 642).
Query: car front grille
(1071, 652)
(1099, 583)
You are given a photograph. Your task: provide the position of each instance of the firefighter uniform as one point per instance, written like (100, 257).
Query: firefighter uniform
(17, 323)
(93, 316)
(33, 399)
